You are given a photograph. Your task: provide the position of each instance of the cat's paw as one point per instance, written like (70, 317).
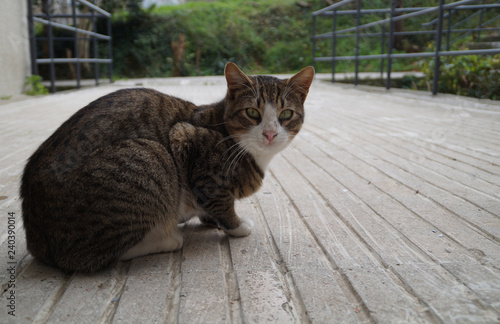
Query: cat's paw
(244, 229)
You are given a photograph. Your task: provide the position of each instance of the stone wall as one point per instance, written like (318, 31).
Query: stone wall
(14, 47)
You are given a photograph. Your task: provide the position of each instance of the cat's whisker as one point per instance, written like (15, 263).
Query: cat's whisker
(233, 152)
(240, 152)
(236, 159)
(228, 159)
(214, 125)
(235, 156)
(229, 148)
(224, 139)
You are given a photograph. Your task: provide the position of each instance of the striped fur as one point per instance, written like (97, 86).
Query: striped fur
(137, 160)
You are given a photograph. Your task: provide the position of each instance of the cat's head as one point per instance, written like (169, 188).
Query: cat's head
(263, 113)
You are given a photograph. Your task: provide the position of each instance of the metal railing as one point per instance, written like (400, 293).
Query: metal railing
(387, 36)
(47, 19)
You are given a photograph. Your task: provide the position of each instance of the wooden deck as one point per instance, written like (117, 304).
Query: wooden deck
(386, 209)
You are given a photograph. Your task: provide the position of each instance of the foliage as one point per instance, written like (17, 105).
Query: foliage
(270, 34)
(473, 75)
(131, 6)
(266, 36)
(34, 86)
(7, 97)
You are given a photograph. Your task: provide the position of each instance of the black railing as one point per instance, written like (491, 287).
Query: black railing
(78, 34)
(444, 11)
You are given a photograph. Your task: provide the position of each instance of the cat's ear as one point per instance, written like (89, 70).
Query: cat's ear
(301, 82)
(235, 78)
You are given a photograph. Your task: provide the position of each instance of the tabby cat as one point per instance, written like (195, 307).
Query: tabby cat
(115, 180)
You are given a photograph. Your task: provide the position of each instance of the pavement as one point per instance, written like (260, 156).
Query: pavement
(386, 209)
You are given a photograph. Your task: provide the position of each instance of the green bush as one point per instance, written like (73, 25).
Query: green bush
(34, 86)
(260, 36)
(274, 36)
(472, 75)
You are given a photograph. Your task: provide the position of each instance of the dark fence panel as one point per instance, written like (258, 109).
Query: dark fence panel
(94, 36)
(445, 12)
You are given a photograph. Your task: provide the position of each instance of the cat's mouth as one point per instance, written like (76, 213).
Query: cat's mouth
(272, 146)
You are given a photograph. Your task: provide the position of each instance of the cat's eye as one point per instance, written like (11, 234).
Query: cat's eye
(286, 114)
(253, 113)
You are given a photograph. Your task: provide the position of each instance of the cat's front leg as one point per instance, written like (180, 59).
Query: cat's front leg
(244, 229)
(202, 153)
(221, 211)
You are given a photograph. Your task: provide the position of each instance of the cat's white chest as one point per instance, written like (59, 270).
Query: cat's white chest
(263, 160)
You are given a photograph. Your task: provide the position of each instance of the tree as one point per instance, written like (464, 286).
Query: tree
(398, 27)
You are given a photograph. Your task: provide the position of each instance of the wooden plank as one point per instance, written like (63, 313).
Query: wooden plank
(9, 196)
(38, 289)
(397, 168)
(448, 298)
(382, 135)
(91, 299)
(347, 248)
(263, 290)
(145, 293)
(442, 220)
(415, 230)
(202, 295)
(300, 257)
(19, 250)
(398, 114)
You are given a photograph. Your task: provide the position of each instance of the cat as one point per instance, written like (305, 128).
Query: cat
(114, 181)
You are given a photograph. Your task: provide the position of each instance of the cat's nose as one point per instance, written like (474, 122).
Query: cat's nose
(270, 135)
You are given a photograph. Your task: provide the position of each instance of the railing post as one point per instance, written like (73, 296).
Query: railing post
(94, 44)
(448, 32)
(32, 36)
(334, 45)
(52, 67)
(437, 57)
(358, 23)
(313, 50)
(76, 48)
(110, 43)
(390, 46)
(480, 22)
(382, 49)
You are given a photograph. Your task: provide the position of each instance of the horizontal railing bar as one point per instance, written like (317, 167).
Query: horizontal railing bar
(70, 16)
(433, 22)
(59, 38)
(415, 32)
(419, 32)
(403, 17)
(72, 60)
(73, 29)
(402, 10)
(409, 55)
(468, 32)
(333, 6)
(94, 7)
(370, 11)
(375, 56)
